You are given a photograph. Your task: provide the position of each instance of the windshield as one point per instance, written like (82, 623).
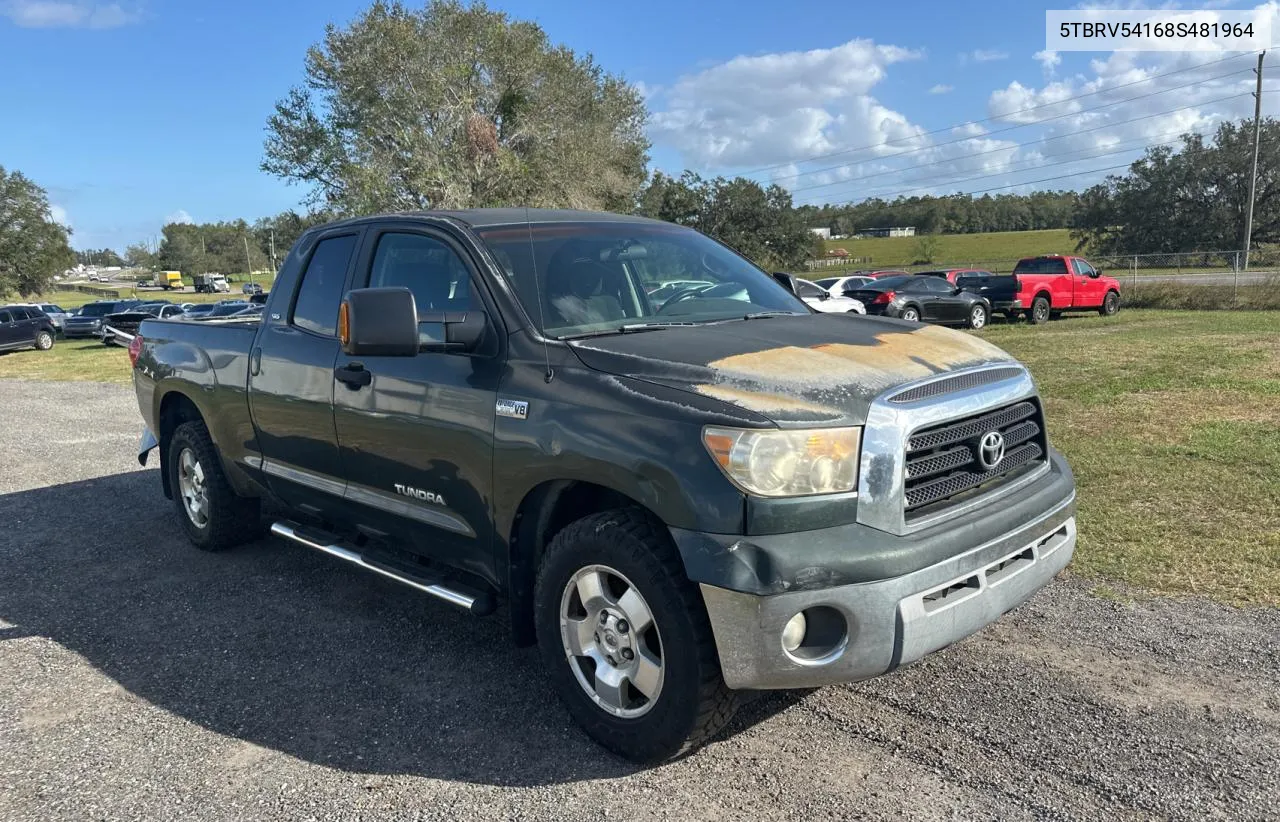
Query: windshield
(827, 282)
(600, 277)
(226, 309)
(97, 309)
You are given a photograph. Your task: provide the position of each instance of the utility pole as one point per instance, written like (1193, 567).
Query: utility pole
(274, 267)
(247, 261)
(1253, 178)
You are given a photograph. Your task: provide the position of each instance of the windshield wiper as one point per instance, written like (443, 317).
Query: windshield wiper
(764, 315)
(631, 328)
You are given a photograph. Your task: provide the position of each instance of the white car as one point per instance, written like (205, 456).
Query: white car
(820, 299)
(836, 286)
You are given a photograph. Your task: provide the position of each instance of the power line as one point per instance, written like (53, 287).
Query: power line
(1006, 114)
(1016, 145)
(994, 188)
(1140, 146)
(933, 146)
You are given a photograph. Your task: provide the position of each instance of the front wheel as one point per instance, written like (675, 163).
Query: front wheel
(978, 317)
(626, 639)
(911, 314)
(1110, 304)
(44, 341)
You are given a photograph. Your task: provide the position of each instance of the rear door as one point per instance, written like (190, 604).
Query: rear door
(417, 442)
(291, 378)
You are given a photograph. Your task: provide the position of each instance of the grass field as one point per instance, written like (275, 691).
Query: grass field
(1171, 421)
(959, 249)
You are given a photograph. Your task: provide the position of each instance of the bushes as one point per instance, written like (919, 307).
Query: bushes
(1252, 297)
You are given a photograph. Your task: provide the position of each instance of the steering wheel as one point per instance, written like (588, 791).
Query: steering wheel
(678, 296)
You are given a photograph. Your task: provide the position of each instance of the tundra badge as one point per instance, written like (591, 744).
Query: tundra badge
(516, 409)
(418, 493)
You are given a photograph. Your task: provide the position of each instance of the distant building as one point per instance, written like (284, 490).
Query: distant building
(824, 233)
(895, 231)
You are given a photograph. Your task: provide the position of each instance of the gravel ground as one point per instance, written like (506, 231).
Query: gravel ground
(141, 679)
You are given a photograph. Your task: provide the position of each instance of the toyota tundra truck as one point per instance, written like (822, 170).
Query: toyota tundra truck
(677, 501)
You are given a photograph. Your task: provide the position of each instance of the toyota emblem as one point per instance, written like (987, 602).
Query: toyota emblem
(991, 449)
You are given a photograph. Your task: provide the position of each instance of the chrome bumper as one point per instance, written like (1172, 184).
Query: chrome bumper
(890, 622)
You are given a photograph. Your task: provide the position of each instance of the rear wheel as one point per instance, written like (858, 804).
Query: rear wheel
(911, 314)
(626, 639)
(214, 518)
(978, 317)
(1039, 313)
(44, 340)
(1110, 304)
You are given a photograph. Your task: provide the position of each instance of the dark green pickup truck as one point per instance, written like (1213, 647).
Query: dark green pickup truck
(678, 499)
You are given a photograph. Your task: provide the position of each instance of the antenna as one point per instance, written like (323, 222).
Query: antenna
(542, 320)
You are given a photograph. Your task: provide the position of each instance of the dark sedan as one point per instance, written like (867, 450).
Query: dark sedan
(923, 299)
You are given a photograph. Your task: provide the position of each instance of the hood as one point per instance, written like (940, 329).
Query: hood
(818, 369)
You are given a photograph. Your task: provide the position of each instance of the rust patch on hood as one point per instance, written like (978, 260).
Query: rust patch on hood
(797, 381)
(766, 403)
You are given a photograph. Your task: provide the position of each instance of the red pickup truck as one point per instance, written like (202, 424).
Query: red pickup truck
(1053, 283)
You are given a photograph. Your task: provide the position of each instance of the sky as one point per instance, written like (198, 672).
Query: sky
(139, 112)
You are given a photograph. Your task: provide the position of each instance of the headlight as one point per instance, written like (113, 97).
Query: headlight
(772, 463)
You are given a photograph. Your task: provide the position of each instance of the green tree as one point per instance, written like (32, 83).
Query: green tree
(33, 247)
(99, 256)
(760, 223)
(455, 106)
(926, 247)
(1193, 199)
(139, 255)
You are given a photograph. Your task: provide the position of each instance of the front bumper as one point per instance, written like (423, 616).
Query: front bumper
(82, 330)
(890, 621)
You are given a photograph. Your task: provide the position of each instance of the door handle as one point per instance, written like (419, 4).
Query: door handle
(354, 375)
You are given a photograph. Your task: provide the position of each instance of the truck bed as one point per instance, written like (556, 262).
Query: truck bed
(200, 356)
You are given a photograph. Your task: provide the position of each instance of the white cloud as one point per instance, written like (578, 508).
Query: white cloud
(985, 55)
(46, 14)
(59, 215)
(774, 108)
(179, 216)
(942, 88)
(1049, 60)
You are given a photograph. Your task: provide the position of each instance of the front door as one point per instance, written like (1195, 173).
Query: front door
(291, 379)
(417, 441)
(10, 333)
(1089, 289)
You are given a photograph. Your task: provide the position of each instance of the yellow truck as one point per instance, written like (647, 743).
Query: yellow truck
(170, 279)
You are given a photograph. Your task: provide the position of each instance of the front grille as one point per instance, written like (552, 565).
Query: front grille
(943, 462)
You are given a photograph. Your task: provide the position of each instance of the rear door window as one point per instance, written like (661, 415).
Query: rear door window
(316, 308)
(6, 317)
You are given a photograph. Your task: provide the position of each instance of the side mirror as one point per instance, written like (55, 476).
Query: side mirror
(378, 322)
(452, 331)
(1097, 272)
(787, 281)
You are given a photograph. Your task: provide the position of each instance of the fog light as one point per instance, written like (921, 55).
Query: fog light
(793, 633)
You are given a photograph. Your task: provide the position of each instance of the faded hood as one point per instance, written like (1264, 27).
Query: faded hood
(812, 369)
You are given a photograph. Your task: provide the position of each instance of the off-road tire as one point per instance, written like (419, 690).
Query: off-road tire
(232, 520)
(694, 703)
